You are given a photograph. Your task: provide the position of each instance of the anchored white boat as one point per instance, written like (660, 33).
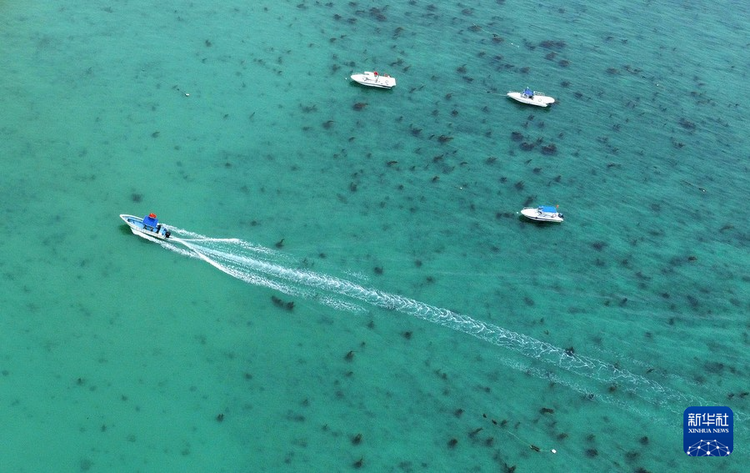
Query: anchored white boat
(531, 97)
(374, 79)
(544, 213)
(147, 227)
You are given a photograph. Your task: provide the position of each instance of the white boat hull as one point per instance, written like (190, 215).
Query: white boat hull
(536, 100)
(540, 216)
(160, 232)
(371, 79)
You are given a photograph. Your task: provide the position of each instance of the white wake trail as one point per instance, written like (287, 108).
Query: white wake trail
(255, 265)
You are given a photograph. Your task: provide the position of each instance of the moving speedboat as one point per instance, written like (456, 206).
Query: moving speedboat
(373, 79)
(147, 227)
(544, 213)
(531, 97)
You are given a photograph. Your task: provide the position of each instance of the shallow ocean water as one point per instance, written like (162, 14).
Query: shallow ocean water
(375, 213)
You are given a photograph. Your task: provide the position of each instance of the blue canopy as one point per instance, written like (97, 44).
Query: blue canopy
(150, 220)
(528, 91)
(548, 208)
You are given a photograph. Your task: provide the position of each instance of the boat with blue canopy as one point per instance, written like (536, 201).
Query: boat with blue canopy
(146, 227)
(543, 213)
(531, 97)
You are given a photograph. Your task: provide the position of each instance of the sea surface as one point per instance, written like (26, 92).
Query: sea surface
(349, 285)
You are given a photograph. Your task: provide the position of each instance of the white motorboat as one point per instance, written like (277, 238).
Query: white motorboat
(147, 227)
(375, 79)
(544, 213)
(531, 97)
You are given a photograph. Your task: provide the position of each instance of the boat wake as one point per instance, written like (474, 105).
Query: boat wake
(265, 267)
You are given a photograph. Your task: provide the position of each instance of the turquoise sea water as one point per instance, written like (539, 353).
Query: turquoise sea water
(431, 328)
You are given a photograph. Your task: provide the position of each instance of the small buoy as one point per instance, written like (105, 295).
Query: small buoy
(553, 451)
(187, 95)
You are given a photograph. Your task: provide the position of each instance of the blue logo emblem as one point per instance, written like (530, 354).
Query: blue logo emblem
(708, 431)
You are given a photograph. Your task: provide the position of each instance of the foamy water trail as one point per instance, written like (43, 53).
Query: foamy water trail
(251, 277)
(256, 265)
